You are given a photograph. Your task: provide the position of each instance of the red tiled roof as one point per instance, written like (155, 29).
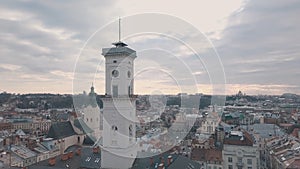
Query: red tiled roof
(201, 154)
(294, 165)
(198, 154)
(213, 155)
(295, 132)
(247, 140)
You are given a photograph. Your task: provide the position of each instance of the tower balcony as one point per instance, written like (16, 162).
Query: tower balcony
(118, 51)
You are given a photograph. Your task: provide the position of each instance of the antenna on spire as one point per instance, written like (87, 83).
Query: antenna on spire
(119, 29)
(119, 43)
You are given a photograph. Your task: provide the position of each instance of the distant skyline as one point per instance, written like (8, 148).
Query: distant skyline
(258, 43)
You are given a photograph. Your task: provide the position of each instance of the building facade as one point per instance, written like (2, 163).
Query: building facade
(240, 152)
(210, 123)
(92, 115)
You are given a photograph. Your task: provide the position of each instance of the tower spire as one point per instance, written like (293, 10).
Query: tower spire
(120, 43)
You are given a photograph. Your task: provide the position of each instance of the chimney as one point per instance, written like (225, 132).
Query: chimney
(162, 160)
(161, 166)
(52, 161)
(151, 161)
(70, 154)
(78, 151)
(64, 157)
(96, 150)
(170, 160)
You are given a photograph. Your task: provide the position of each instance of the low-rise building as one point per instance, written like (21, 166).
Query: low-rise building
(25, 156)
(240, 152)
(282, 153)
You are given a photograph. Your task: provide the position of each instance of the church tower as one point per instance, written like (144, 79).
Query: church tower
(119, 111)
(92, 114)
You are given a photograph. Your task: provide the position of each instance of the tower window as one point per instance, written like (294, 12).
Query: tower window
(115, 73)
(129, 74)
(130, 132)
(115, 61)
(115, 91)
(114, 128)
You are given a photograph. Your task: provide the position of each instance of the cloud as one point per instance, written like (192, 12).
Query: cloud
(40, 42)
(261, 44)
(258, 44)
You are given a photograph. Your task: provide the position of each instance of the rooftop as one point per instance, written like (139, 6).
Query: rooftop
(264, 130)
(119, 50)
(241, 138)
(22, 152)
(61, 130)
(201, 154)
(87, 159)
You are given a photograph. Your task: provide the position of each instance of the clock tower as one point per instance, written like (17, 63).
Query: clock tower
(119, 111)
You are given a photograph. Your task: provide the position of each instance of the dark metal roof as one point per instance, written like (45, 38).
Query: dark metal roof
(82, 126)
(178, 162)
(89, 159)
(184, 163)
(146, 162)
(118, 51)
(89, 140)
(60, 130)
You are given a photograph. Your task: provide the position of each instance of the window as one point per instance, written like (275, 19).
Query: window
(130, 132)
(115, 91)
(240, 160)
(249, 167)
(249, 161)
(215, 167)
(114, 128)
(230, 159)
(115, 73)
(115, 61)
(230, 167)
(91, 120)
(87, 120)
(209, 167)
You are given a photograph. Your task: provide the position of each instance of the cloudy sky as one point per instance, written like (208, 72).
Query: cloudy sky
(258, 43)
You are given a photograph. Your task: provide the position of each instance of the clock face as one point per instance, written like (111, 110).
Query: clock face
(115, 73)
(129, 74)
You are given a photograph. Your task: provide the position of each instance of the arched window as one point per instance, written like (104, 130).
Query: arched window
(130, 128)
(91, 120)
(114, 128)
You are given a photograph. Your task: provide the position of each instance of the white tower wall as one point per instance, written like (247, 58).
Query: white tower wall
(119, 114)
